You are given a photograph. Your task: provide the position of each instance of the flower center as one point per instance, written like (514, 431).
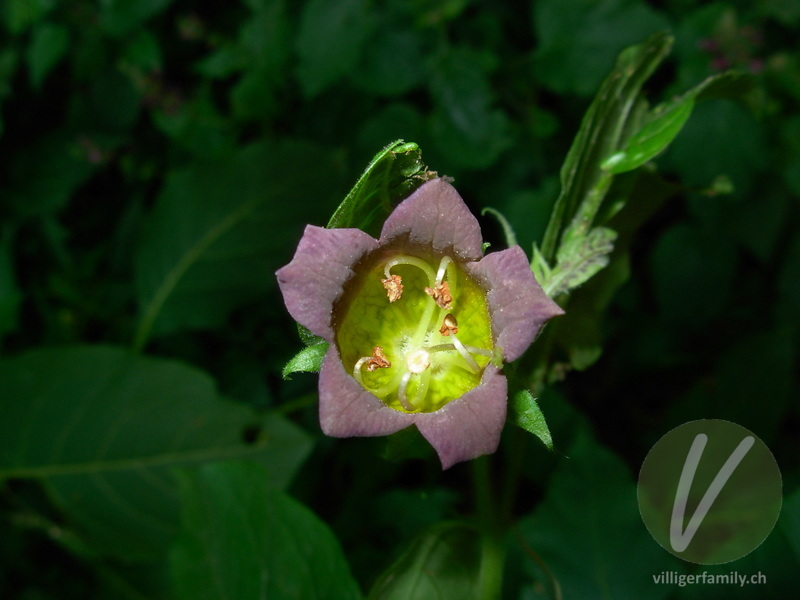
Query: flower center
(416, 334)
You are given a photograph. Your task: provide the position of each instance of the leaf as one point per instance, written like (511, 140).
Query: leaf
(442, 563)
(609, 119)
(220, 230)
(308, 338)
(21, 14)
(579, 259)
(121, 16)
(390, 177)
(578, 39)
(308, 360)
(329, 42)
(102, 427)
(48, 44)
(467, 127)
(652, 138)
(525, 412)
(242, 538)
(663, 123)
(588, 533)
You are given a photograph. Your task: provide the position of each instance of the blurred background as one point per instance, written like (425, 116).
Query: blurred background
(131, 130)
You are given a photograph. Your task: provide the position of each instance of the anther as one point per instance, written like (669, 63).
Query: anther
(441, 295)
(378, 360)
(393, 286)
(449, 325)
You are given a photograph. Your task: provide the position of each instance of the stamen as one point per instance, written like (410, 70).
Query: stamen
(412, 261)
(470, 349)
(378, 360)
(449, 325)
(473, 365)
(401, 391)
(394, 287)
(441, 295)
(442, 269)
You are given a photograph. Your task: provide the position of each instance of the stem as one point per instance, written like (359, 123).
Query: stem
(490, 581)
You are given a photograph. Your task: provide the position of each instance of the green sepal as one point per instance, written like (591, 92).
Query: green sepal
(308, 338)
(394, 173)
(524, 412)
(308, 360)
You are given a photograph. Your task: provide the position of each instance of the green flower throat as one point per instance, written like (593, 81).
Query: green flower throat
(415, 333)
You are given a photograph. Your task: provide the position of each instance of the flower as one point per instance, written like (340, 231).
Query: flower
(419, 323)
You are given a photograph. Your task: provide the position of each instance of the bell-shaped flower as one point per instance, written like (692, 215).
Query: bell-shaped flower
(419, 323)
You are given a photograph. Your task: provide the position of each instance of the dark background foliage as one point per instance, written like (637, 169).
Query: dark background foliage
(158, 161)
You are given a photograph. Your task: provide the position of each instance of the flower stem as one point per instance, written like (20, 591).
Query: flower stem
(490, 581)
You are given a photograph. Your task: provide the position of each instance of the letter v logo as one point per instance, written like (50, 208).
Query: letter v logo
(679, 540)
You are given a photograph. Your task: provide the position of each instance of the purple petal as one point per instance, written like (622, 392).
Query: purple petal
(435, 215)
(313, 280)
(346, 409)
(469, 426)
(518, 306)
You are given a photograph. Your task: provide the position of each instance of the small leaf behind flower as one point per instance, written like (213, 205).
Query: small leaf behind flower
(390, 177)
(308, 360)
(525, 412)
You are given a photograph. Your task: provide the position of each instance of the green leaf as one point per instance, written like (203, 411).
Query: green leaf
(390, 177)
(44, 174)
(48, 44)
(102, 427)
(122, 16)
(665, 123)
(308, 338)
(21, 14)
(579, 259)
(242, 538)
(330, 41)
(524, 411)
(467, 128)
(588, 533)
(394, 64)
(610, 118)
(308, 360)
(442, 563)
(722, 138)
(578, 39)
(219, 231)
